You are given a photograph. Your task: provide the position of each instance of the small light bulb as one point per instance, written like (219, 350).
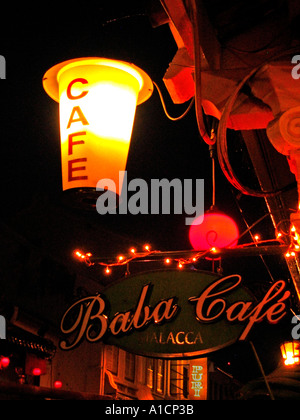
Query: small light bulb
(4, 362)
(36, 371)
(58, 384)
(107, 270)
(167, 261)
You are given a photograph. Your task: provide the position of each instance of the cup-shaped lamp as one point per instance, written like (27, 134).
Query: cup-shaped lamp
(97, 102)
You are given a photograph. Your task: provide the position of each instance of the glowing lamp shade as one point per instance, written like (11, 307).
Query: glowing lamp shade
(98, 99)
(36, 371)
(217, 230)
(58, 384)
(4, 362)
(291, 353)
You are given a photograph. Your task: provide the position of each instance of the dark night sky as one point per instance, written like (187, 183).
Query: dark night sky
(29, 118)
(32, 203)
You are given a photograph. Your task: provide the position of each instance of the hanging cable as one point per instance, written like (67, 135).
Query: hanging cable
(253, 240)
(121, 18)
(262, 371)
(222, 145)
(198, 74)
(165, 108)
(212, 152)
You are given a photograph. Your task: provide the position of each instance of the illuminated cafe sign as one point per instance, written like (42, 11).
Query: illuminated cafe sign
(172, 314)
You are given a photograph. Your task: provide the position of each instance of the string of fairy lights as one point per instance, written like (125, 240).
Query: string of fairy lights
(134, 255)
(284, 243)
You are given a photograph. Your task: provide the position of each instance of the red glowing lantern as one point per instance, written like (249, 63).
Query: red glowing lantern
(216, 231)
(36, 372)
(4, 362)
(35, 366)
(58, 384)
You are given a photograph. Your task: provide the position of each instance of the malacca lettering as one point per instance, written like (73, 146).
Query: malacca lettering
(180, 338)
(88, 318)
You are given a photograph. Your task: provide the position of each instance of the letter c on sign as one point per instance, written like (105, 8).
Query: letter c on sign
(82, 95)
(177, 338)
(187, 338)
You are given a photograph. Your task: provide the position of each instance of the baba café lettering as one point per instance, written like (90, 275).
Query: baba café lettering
(186, 323)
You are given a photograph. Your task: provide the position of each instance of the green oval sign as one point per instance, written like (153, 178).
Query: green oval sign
(172, 314)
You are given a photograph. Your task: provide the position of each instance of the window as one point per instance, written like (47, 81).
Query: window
(160, 376)
(112, 359)
(179, 379)
(149, 373)
(174, 375)
(185, 389)
(129, 367)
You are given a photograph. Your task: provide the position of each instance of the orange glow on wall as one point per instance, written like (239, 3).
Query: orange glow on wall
(98, 99)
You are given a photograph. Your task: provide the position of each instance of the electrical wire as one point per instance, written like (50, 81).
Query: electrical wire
(198, 74)
(213, 181)
(255, 243)
(222, 146)
(165, 108)
(261, 49)
(262, 371)
(119, 19)
(212, 152)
